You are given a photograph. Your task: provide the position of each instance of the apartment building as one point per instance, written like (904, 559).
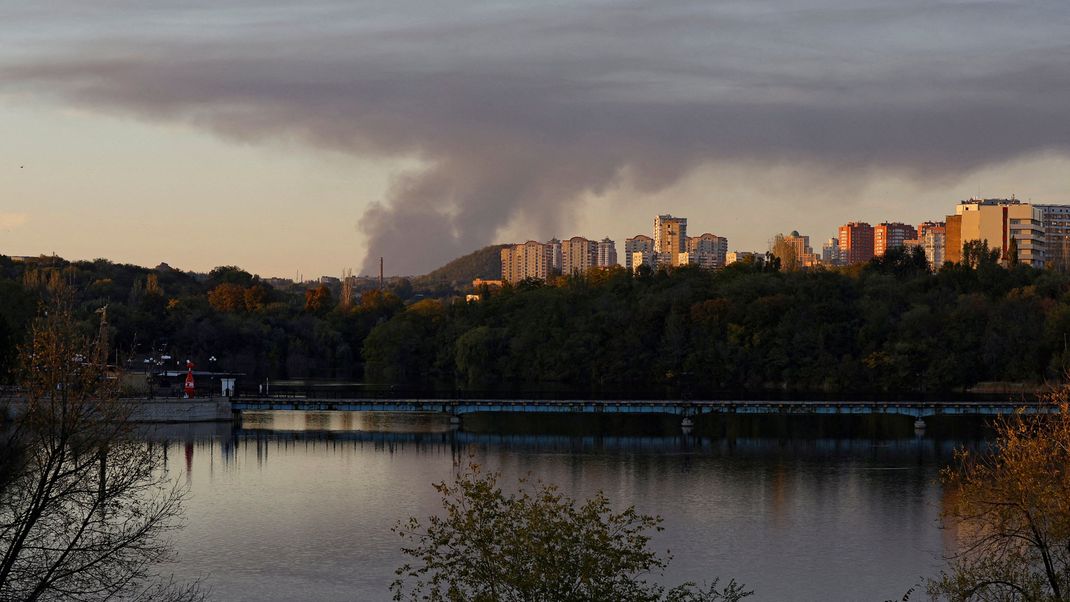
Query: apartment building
(890, 236)
(1055, 219)
(578, 255)
(707, 251)
(529, 260)
(997, 222)
(606, 253)
(670, 237)
(640, 243)
(856, 242)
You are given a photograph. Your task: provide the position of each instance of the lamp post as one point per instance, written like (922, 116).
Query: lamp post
(211, 368)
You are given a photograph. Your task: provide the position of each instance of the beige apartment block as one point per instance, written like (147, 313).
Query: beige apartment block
(670, 235)
(529, 260)
(641, 258)
(708, 251)
(578, 255)
(997, 222)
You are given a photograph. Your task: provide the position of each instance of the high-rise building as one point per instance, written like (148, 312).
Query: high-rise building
(933, 242)
(607, 253)
(891, 235)
(670, 236)
(555, 255)
(578, 255)
(953, 238)
(707, 251)
(640, 243)
(797, 246)
(1056, 222)
(997, 222)
(529, 260)
(926, 226)
(830, 252)
(856, 242)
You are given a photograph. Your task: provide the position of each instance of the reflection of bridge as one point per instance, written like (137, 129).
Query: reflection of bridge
(687, 409)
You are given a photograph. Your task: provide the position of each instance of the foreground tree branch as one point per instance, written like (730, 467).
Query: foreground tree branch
(1011, 508)
(86, 508)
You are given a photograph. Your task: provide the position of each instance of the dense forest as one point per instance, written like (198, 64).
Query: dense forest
(888, 326)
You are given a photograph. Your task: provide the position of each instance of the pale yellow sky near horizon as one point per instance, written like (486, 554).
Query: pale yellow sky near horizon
(85, 185)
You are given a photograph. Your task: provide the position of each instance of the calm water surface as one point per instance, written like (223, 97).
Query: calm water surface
(297, 506)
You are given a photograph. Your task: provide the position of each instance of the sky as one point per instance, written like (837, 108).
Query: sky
(307, 138)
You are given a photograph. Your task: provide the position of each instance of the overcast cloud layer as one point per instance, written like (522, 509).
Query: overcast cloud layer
(516, 109)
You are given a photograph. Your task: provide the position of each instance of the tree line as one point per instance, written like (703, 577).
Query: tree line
(249, 326)
(887, 326)
(890, 325)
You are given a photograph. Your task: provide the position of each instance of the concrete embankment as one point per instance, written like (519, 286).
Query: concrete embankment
(165, 409)
(181, 410)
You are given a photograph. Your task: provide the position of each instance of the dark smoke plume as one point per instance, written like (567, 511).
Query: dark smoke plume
(514, 111)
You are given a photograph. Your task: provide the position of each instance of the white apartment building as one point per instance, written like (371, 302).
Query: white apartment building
(708, 251)
(607, 253)
(639, 243)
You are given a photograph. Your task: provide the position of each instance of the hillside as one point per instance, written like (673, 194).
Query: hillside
(485, 263)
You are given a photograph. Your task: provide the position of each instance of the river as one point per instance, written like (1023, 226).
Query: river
(298, 506)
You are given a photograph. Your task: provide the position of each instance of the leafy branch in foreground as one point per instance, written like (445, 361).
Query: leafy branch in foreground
(85, 506)
(1010, 507)
(535, 544)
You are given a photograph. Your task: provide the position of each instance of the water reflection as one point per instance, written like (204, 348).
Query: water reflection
(299, 505)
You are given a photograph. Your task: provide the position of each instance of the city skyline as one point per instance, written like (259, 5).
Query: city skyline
(323, 136)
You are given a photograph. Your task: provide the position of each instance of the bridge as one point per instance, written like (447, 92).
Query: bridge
(686, 409)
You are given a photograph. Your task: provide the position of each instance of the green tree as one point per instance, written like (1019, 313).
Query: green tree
(1012, 252)
(535, 544)
(977, 254)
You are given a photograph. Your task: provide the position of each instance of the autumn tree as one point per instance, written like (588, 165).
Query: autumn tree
(227, 297)
(785, 252)
(535, 544)
(85, 506)
(319, 300)
(1010, 507)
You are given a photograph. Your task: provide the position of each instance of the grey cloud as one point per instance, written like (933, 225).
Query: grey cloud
(517, 109)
